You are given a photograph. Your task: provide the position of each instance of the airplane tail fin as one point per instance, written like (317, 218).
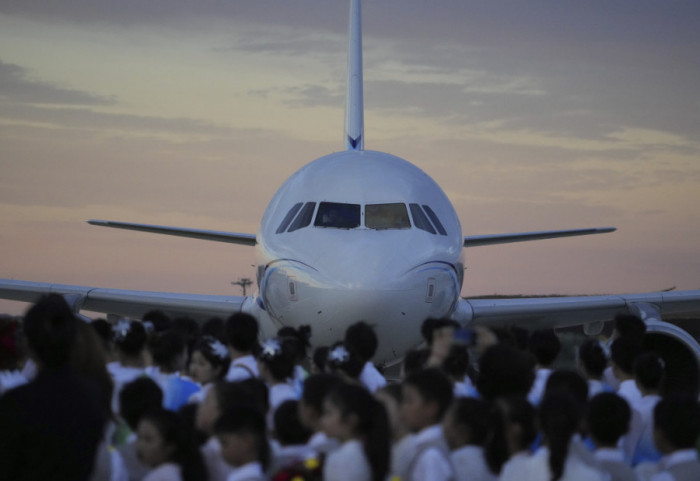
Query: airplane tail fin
(354, 103)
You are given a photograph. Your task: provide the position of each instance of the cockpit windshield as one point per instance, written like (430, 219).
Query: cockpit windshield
(386, 216)
(340, 216)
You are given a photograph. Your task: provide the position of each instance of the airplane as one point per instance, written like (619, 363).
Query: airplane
(365, 235)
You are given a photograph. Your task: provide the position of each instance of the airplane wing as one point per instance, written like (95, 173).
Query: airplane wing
(127, 303)
(548, 312)
(212, 235)
(491, 239)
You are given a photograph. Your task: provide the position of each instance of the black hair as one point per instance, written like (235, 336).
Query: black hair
(215, 352)
(213, 327)
(319, 358)
(593, 358)
(173, 431)
(246, 420)
(415, 360)
(559, 419)
(11, 352)
(473, 414)
(372, 424)
(623, 352)
(160, 320)
(138, 397)
(242, 332)
(608, 418)
(317, 387)
(288, 426)
(299, 340)
(129, 336)
(104, 332)
(361, 338)
(258, 391)
(504, 411)
(50, 328)
(631, 326)
(433, 386)
(429, 326)
(545, 346)
(165, 348)
(278, 356)
(677, 416)
(456, 364)
(505, 371)
(344, 360)
(569, 381)
(231, 394)
(649, 370)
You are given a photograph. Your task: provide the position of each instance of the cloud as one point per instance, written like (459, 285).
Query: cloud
(17, 86)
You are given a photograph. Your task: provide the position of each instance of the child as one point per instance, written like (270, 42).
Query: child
(344, 362)
(545, 346)
(242, 336)
(169, 353)
(608, 420)
(291, 437)
(676, 431)
(276, 366)
(210, 362)
(129, 342)
(425, 397)
(507, 448)
(361, 338)
(401, 438)
(242, 433)
(316, 388)
(164, 446)
(466, 427)
(299, 340)
(649, 372)
(591, 362)
(359, 422)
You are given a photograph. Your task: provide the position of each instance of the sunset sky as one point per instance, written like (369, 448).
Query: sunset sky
(531, 115)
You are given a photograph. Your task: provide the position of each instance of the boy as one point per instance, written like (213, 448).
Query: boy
(608, 420)
(676, 431)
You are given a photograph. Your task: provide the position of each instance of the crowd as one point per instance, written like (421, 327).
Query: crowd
(169, 399)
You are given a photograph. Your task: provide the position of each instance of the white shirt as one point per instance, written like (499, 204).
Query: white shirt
(523, 467)
(613, 462)
(470, 465)
(629, 391)
(248, 472)
(320, 443)
(431, 463)
(283, 456)
(242, 368)
(217, 468)
(10, 380)
(537, 390)
(646, 449)
(165, 472)
(676, 457)
(348, 463)
(122, 375)
(372, 378)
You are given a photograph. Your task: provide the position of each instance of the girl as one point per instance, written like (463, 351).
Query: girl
(276, 365)
(360, 422)
(210, 363)
(129, 339)
(169, 353)
(507, 447)
(163, 445)
(242, 434)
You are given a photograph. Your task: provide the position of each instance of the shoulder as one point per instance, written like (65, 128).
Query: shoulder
(165, 472)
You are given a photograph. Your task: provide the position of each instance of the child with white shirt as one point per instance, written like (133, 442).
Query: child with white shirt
(316, 388)
(242, 337)
(209, 363)
(649, 373)
(242, 433)
(276, 365)
(676, 432)
(361, 338)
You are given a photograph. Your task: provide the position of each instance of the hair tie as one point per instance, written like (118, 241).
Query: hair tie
(271, 349)
(217, 347)
(121, 329)
(339, 354)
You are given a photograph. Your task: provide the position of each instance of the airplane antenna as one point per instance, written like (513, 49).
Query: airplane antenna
(354, 103)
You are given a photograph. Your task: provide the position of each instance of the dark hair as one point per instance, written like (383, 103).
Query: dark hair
(593, 357)
(258, 391)
(288, 426)
(104, 332)
(299, 340)
(129, 336)
(649, 370)
(505, 371)
(415, 360)
(10, 343)
(317, 387)
(508, 410)
(215, 352)
(571, 382)
(213, 327)
(186, 453)
(631, 326)
(165, 347)
(138, 397)
(545, 346)
(473, 414)
(433, 386)
(677, 416)
(608, 418)
(361, 338)
(345, 360)
(429, 326)
(160, 320)
(50, 328)
(559, 417)
(319, 358)
(372, 424)
(456, 364)
(246, 420)
(278, 356)
(231, 394)
(242, 332)
(623, 352)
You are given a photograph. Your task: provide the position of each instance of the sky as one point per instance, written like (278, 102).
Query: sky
(531, 115)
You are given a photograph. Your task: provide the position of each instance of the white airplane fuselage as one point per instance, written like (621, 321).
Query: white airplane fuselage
(360, 235)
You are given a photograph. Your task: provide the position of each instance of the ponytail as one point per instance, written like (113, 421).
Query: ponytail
(559, 420)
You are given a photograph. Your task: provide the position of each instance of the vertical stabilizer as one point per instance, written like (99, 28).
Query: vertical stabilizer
(354, 103)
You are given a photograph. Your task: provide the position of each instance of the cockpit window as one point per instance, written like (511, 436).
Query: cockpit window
(304, 217)
(434, 218)
(420, 220)
(340, 216)
(288, 218)
(386, 216)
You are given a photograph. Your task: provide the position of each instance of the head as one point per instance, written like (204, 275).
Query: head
(316, 388)
(456, 364)
(138, 397)
(242, 333)
(129, 337)
(630, 326)
(242, 433)
(288, 427)
(425, 397)
(169, 351)
(429, 326)
(608, 419)
(559, 418)
(361, 338)
(466, 423)
(50, 330)
(344, 362)
(160, 436)
(512, 430)
(210, 360)
(318, 360)
(623, 353)
(505, 371)
(649, 372)
(592, 360)
(158, 319)
(276, 360)
(222, 397)
(676, 423)
(414, 361)
(570, 382)
(545, 346)
(298, 339)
